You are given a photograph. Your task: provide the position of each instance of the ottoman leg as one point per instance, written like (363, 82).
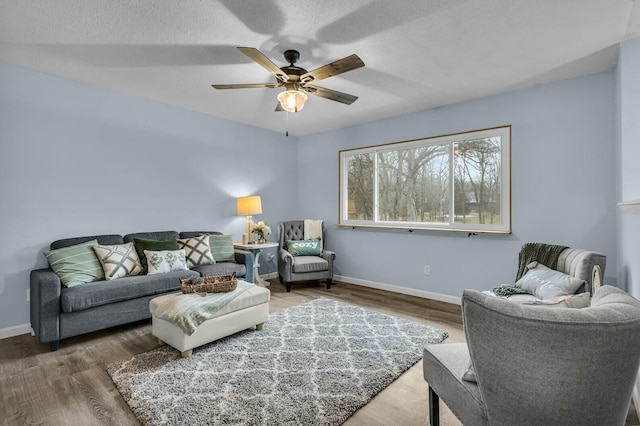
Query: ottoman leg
(260, 326)
(186, 354)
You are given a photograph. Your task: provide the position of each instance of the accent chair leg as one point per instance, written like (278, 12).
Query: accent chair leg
(434, 408)
(288, 286)
(55, 345)
(280, 279)
(329, 282)
(260, 326)
(186, 354)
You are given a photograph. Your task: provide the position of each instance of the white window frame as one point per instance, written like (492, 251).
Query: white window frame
(504, 227)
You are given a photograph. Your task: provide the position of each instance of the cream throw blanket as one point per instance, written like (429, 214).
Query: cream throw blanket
(313, 230)
(188, 311)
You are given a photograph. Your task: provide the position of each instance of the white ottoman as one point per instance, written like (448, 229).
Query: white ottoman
(249, 309)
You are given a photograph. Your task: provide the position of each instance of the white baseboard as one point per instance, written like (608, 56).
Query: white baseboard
(636, 401)
(15, 331)
(397, 289)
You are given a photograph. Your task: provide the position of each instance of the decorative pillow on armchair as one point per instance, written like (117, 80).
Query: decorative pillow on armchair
(546, 283)
(304, 247)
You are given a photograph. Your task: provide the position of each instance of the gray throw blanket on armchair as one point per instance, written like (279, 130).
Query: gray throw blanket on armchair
(547, 254)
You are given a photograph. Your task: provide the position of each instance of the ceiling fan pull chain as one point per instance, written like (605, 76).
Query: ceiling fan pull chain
(287, 125)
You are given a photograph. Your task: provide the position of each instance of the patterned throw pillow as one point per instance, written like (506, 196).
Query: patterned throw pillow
(76, 264)
(143, 244)
(197, 250)
(161, 262)
(222, 248)
(118, 260)
(304, 247)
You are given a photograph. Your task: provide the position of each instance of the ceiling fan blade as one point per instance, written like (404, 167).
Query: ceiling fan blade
(245, 86)
(334, 95)
(334, 68)
(279, 107)
(265, 62)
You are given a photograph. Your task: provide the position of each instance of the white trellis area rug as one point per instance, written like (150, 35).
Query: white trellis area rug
(313, 364)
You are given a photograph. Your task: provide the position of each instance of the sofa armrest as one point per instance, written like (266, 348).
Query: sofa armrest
(45, 305)
(246, 258)
(328, 255)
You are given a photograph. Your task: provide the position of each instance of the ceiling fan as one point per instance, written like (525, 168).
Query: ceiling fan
(297, 81)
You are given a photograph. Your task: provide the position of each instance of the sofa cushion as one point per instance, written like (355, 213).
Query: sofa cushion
(197, 250)
(161, 262)
(143, 244)
(302, 264)
(76, 264)
(100, 293)
(157, 235)
(118, 260)
(191, 234)
(221, 268)
(222, 248)
(108, 239)
(546, 283)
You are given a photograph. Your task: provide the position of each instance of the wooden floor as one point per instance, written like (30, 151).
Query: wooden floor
(71, 386)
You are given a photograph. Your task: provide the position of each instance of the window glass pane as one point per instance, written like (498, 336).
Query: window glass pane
(360, 187)
(477, 181)
(413, 184)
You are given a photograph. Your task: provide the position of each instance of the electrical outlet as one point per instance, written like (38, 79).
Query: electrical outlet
(427, 270)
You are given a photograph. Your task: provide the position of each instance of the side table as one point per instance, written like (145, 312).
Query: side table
(256, 249)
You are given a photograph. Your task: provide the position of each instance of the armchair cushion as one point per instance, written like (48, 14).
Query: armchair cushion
(546, 283)
(302, 264)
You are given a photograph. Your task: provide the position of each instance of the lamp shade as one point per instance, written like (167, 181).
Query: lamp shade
(292, 100)
(249, 205)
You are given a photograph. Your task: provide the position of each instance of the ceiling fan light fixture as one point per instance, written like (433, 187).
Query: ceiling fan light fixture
(292, 100)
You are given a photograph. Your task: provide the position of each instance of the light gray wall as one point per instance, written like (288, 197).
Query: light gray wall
(628, 109)
(563, 185)
(79, 160)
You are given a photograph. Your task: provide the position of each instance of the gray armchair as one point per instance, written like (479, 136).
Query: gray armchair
(538, 365)
(302, 268)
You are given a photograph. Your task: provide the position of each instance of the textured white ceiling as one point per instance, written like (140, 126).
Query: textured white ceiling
(418, 53)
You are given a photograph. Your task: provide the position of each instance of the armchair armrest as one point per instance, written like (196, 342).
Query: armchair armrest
(45, 305)
(285, 256)
(328, 255)
(246, 258)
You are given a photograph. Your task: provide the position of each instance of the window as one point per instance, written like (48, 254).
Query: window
(457, 182)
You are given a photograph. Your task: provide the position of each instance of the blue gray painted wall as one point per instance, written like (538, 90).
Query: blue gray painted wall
(563, 188)
(628, 172)
(80, 160)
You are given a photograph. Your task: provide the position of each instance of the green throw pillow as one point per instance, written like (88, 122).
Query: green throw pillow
(304, 247)
(153, 245)
(77, 264)
(222, 248)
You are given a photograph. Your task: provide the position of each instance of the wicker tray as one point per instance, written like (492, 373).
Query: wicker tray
(217, 284)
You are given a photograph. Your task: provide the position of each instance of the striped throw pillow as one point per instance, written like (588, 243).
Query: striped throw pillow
(222, 248)
(77, 264)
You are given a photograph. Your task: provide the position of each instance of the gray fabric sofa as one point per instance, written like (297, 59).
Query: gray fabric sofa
(59, 312)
